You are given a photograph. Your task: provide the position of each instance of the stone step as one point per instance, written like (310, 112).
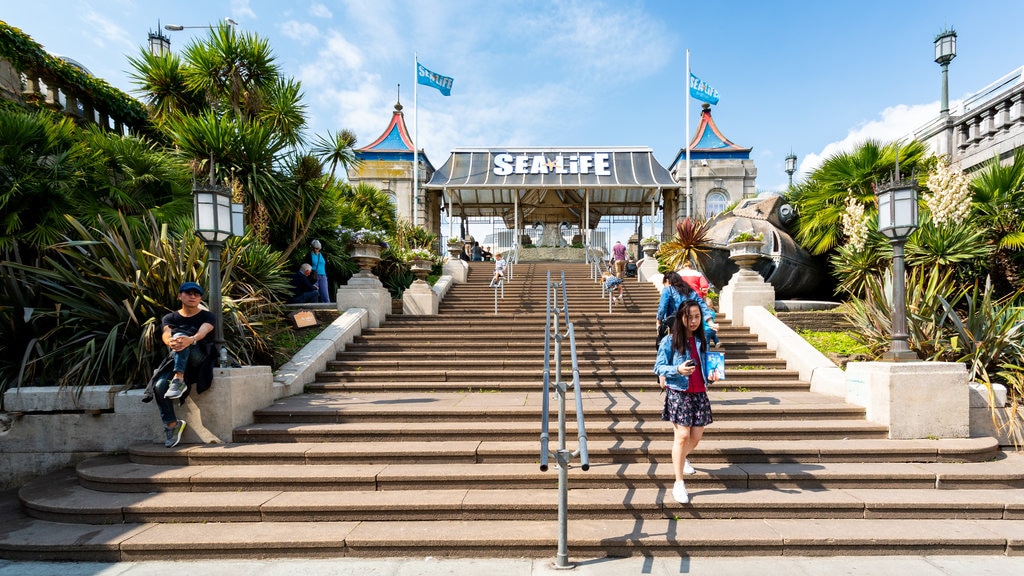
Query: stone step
(466, 451)
(587, 365)
(480, 378)
(302, 430)
(29, 539)
(60, 498)
(351, 383)
(118, 474)
(609, 409)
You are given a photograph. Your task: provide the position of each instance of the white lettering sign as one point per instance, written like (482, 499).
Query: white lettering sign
(598, 163)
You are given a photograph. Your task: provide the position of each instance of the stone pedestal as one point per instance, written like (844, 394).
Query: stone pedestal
(229, 403)
(419, 300)
(457, 269)
(647, 269)
(745, 288)
(367, 293)
(914, 399)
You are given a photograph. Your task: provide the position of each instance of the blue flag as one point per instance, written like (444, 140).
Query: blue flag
(428, 78)
(700, 90)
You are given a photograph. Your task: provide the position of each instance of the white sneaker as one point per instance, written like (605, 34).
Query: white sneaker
(687, 469)
(679, 492)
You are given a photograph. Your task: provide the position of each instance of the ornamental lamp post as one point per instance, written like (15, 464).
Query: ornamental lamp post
(790, 167)
(897, 218)
(945, 51)
(159, 43)
(213, 224)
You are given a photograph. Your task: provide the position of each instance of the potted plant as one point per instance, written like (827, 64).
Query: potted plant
(421, 261)
(364, 246)
(650, 245)
(745, 249)
(455, 247)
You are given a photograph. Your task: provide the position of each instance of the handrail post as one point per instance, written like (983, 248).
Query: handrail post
(562, 455)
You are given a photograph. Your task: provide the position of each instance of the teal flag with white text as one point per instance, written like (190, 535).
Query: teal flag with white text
(700, 90)
(428, 78)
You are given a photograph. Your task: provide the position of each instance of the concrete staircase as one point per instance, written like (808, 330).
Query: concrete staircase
(422, 438)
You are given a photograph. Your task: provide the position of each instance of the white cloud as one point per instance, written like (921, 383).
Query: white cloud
(304, 32)
(895, 123)
(106, 32)
(621, 43)
(240, 9)
(320, 11)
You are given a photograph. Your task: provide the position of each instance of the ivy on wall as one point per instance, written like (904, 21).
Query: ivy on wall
(29, 57)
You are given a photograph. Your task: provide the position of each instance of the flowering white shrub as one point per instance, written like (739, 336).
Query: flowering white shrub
(855, 223)
(949, 199)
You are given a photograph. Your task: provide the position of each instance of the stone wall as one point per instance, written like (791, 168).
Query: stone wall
(816, 320)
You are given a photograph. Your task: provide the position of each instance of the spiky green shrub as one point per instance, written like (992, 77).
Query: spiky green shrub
(690, 244)
(90, 313)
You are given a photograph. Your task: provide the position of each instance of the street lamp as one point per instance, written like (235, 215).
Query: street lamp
(945, 51)
(790, 167)
(216, 220)
(897, 218)
(159, 43)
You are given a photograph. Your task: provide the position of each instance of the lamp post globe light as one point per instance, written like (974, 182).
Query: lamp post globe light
(945, 51)
(159, 43)
(216, 220)
(897, 218)
(790, 167)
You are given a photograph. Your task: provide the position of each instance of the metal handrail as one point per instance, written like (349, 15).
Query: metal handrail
(562, 456)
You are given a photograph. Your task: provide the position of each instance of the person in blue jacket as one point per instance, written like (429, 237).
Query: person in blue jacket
(673, 294)
(682, 362)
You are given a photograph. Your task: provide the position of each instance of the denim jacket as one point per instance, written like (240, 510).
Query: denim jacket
(668, 359)
(671, 300)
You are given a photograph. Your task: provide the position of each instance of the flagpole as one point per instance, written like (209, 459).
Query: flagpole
(415, 137)
(689, 194)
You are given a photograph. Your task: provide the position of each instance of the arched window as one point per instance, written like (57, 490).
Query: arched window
(715, 203)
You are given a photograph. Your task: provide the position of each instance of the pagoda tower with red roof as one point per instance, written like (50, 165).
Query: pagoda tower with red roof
(721, 172)
(387, 164)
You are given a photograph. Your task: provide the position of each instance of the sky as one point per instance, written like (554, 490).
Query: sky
(809, 77)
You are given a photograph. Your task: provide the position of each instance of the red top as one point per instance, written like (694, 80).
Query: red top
(697, 378)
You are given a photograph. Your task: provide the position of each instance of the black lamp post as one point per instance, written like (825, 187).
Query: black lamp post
(213, 224)
(790, 167)
(945, 51)
(897, 218)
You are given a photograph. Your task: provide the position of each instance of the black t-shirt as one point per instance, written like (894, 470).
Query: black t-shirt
(187, 325)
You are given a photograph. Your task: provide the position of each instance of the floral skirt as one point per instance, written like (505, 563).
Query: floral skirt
(687, 408)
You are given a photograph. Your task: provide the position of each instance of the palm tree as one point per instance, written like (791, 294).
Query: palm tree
(820, 199)
(40, 175)
(999, 207)
(162, 86)
(338, 149)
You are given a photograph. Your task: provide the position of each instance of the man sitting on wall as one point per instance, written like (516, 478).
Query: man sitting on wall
(303, 291)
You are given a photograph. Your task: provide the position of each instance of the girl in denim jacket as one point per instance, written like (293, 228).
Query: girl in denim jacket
(681, 361)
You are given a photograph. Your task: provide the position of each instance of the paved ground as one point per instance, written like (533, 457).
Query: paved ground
(790, 566)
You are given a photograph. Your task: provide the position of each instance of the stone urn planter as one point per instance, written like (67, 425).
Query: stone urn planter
(421, 268)
(745, 254)
(649, 249)
(366, 256)
(454, 250)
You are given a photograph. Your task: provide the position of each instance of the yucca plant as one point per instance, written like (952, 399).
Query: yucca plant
(961, 246)
(856, 268)
(101, 295)
(1012, 420)
(872, 315)
(985, 334)
(689, 244)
